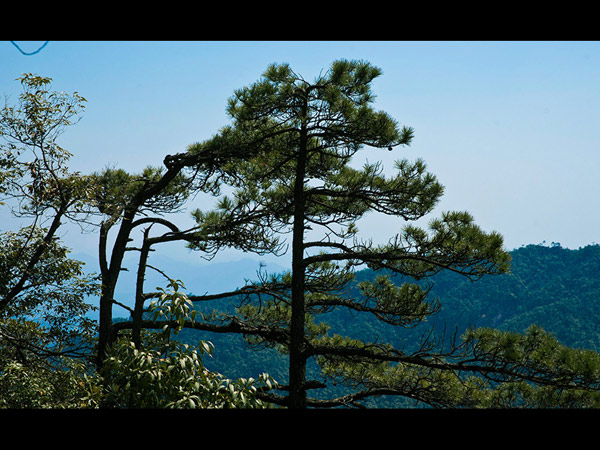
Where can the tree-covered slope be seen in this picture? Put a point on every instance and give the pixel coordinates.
(554, 287)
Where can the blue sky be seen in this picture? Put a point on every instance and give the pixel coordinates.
(511, 129)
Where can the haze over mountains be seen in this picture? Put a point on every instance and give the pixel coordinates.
(199, 276)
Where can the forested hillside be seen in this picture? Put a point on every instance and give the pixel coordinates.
(554, 287)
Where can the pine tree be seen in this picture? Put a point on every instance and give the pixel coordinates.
(294, 142)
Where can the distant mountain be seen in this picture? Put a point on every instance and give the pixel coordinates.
(554, 287)
(198, 276)
(551, 286)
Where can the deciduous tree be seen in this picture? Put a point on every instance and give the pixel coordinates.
(43, 312)
(37, 278)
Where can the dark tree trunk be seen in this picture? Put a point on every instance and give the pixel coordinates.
(297, 369)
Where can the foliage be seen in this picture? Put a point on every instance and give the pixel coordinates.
(55, 289)
(33, 166)
(37, 183)
(45, 334)
(167, 374)
(36, 372)
(26, 387)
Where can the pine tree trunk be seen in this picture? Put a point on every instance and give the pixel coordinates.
(297, 367)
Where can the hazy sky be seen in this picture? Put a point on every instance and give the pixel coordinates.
(511, 129)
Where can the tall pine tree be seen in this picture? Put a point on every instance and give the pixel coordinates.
(295, 141)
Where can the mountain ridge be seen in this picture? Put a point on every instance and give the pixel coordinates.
(553, 287)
